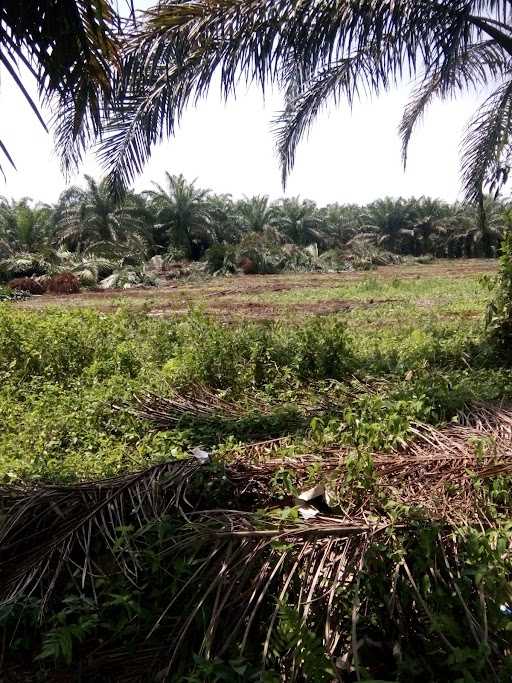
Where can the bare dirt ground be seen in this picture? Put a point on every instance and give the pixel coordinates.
(224, 296)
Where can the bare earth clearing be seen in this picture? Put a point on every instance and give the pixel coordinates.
(273, 296)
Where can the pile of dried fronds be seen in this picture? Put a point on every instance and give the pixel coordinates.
(64, 283)
(202, 407)
(27, 284)
(198, 405)
(439, 473)
(349, 577)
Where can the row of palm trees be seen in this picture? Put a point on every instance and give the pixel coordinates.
(179, 220)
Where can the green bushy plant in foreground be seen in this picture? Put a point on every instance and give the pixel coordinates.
(499, 310)
(253, 355)
(61, 373)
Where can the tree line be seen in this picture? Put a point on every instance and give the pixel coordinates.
(179, 220)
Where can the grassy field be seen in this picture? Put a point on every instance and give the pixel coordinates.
(369, 384)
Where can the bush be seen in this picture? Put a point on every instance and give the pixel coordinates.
(126, 278)
(64, 283)
(61, 345)
(499, 310)
(211, 353)
(27, 284)
(221, 258)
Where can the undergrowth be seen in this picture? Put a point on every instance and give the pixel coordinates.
(61, 373)
(67, 382)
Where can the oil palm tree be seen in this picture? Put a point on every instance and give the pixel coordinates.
(70, 48)
(391, 220)
(317, 50)
(183, 216)
(256, 213)
(90, 220)
(224, 219)
(24, 227)
(341, 223)
(298, 220)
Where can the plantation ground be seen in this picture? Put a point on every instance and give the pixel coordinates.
(66, 360)
(272, 297)
(380, 396)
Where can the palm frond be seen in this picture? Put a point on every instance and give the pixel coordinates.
(486, 148)
(71, 49)
(311, 49)
(348, 77)
(471, 69)
(254, 573)
(67, 519)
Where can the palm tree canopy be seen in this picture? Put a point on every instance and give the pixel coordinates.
(70, 48)
(315, 50)
(298, 220)
(24, 226)
(90, 221)
(255, 213)
(183, 213)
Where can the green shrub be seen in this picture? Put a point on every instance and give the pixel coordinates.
(499, 310)
(233, 357)
(60, 345)
(221, 258)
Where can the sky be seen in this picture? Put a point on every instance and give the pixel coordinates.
(349, 156)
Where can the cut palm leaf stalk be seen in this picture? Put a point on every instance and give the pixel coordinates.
(204, 408)
(47, 526)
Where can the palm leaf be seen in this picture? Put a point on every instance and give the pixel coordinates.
(486, 146)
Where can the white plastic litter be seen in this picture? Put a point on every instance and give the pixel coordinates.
(201, 456)
(308, 512)
(311, 494)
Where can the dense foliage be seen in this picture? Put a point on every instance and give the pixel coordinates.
(87, 234)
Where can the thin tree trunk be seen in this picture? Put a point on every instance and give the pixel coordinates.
(484, 231)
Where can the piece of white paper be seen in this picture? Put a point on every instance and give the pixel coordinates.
(313, 493)
(200, 455)
(308, 512)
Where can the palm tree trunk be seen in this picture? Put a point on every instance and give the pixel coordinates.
(487, 251)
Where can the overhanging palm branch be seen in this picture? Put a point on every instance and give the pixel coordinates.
(313, 50)
(473, 68)
(349, 77)
(487, 145)
(70, 49)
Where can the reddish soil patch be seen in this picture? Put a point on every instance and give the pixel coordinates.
(262, 311)
(179, 296)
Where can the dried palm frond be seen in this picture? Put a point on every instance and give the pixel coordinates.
(200, 404)
(203, 407)
(261, 575)
(252, 573)
(44, 527)
(435, 472)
